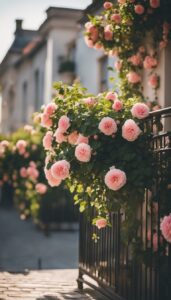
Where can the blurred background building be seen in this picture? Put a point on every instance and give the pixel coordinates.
(57, 51)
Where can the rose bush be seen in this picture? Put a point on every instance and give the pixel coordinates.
(104, 156)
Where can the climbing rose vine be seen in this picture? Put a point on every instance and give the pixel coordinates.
(99, 150)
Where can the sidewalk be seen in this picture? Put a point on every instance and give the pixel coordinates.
(43, 285)
(23, 249)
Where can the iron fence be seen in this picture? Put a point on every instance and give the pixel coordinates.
(117, 273)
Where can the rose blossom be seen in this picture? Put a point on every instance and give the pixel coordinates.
(140, 110)
(115, 179)
(118, 65)
(107, 5)
(73, 137)
(116, 18)
(111, 96)
(117, 105)
(83, 152)
(89, 101)
(5, 178)
(45, 120)
(41, 188)
(154, 3)
(5, 144)
(149, 62)
(26, 154)
(133, 77)
(59, 136)
(63, 123)
(108, 34)
(153, 81)
(32, 164)
(82, 139)
(28, 128)
(47, 140)
(130, 130)
(23, 172)
(60, 169)
(108, 126)
(139, 9)
(101, 223)
(165, 227)
(121, 1)
(32, 172)
(50, 109)
(51, 180)
(21, 146)
(136, 59)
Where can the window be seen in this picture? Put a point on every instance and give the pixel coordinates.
(37, 90)
(24, 101)
(103, 64)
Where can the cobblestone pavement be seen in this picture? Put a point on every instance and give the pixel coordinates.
(43, 285)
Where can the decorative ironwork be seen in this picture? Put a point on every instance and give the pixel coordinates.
(117, 272)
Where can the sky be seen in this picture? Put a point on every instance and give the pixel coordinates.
(33, 14)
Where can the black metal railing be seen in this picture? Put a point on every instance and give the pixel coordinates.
(117, 273)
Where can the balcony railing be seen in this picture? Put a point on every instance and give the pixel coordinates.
(115, 271)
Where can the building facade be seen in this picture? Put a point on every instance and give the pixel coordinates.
(33, 63)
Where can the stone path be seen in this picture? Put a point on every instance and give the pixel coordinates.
(43, 285)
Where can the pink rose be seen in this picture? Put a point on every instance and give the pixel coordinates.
(32, 172)
(133, 77)
(116, 18)
(165, 227)
(89, 101)
(154, 3)
(21, 146)
(130, 130)
(5, 144)
(82, 139)
(140, 111)
(153, 81)
(32, 164)
(118, 65)
(23, 172)
(73, 137)
(139, 9)
(41, 188)
(60, 169)
(26, 154)
(101, 223)
(45, 120)
(108, 33)
(149, 62)
(136, 59)
(108, 126)
(115, 179)
(98, 46)
(28, 128)
(111, 96)
(83, 152)
(121, 1)
(117, 105)
(47, 140)
(63, 123)
(50, 109)
(107, 5)
(59, 136)
(51, 180)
